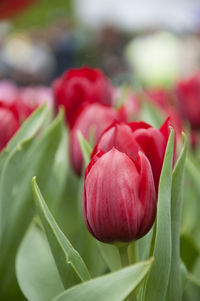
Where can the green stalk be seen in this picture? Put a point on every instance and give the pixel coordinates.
(133, 252)
(125, 261)
(123, 252)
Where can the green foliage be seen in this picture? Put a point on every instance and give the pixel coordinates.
(70, 265)
(36, 271)
(112, 287)
(156, 286)
(24, 157)
(175, 289)
(28, 130)
(85, 148)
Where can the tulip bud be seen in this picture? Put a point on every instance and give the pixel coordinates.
(79, 86)
(9, 124)
(129, 138)
(95, 118)
(119, 201)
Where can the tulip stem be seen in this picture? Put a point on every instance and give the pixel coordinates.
(133, 252)
(125, 261)
(123, 252)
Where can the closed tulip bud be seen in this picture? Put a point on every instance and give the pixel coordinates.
(131, 137)
(119, 202)
(93, 118)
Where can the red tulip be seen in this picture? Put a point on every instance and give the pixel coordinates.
(9, 124)
(94, 117)
(119, 202)
(188, 100)
(129, 138)
(79, 86)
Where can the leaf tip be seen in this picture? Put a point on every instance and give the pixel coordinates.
(151, 260)
(33, 181)
(184, 138)
(171, 130)
(61, 112)
(80, 136)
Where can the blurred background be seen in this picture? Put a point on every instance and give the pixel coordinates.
(153, 42)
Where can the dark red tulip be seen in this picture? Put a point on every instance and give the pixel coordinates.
(79, 86)
(94, 118)
(129, 138)
(9, 124)
(188, 100)
(119, 201)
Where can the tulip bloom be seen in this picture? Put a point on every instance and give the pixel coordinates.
(94, 117)
(119, 201)
(130, 138)
(79, 86)
(9, 124)
(188, 100)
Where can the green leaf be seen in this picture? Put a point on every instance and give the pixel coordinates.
(58, 178)
(70, 265)
(157, 281)
(85, 148)
(175, 285)
(27, 130)
(31, 157)
(112, 287)
(144, 244)
(36, 271)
